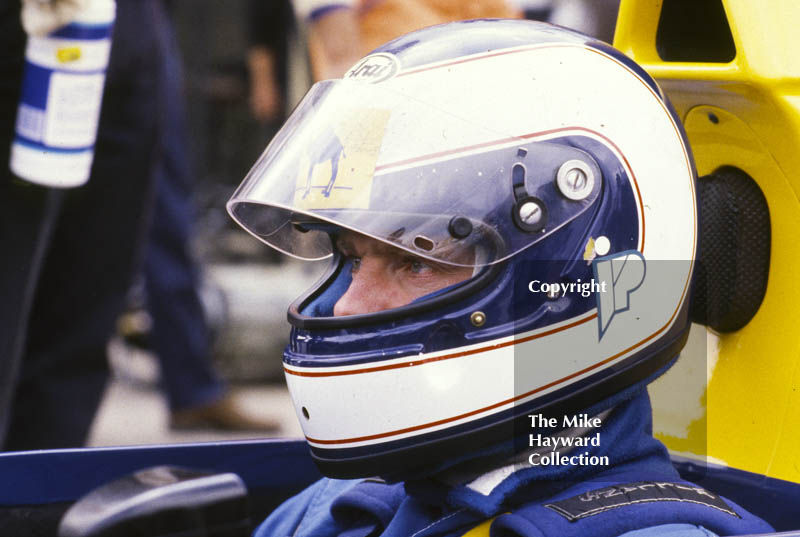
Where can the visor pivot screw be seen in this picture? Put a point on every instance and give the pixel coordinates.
(478, 318)
(553, 293)
(530, 213)
(575, 180)
(459, 227)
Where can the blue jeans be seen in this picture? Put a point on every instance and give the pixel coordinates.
(180, 334)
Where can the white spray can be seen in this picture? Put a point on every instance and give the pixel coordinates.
(62, 90)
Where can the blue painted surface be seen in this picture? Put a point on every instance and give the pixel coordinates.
(275, 468)
(268, 467)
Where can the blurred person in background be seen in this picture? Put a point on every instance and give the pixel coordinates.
(269, 27)
(592, 17)
(181, 340)
(90, 254)
(342, 31)
(27, 216)
(536, 10)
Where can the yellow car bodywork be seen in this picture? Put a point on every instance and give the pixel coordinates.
(745, 411)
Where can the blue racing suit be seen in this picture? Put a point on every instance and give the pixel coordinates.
(639, 494)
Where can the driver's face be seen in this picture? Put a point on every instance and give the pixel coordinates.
(385, 277)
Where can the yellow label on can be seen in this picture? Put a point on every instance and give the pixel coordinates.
(68, 54)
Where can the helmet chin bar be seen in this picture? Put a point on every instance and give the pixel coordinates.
(394, 457)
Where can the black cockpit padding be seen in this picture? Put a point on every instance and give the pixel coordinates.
(733, 252)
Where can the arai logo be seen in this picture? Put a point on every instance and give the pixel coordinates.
(374, 68)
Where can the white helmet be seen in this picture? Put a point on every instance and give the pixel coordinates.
(551, 158)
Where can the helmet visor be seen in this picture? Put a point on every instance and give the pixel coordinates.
(373, 160)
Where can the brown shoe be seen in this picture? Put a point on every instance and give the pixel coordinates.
(226, 414)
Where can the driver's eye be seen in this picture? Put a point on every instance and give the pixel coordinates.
(355, 263)
(418, 266)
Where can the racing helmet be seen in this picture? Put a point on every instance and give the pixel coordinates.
(546, 161)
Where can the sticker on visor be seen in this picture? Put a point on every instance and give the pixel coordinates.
(336, 172)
